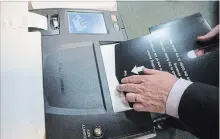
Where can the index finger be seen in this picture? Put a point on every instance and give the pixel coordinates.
(210, 35)
(135, 79)
(132, 88)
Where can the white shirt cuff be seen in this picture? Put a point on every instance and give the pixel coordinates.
(175, 95)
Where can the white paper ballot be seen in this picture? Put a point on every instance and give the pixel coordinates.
(118, 99)
(37, 21)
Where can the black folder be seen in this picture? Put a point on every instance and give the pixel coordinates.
(170, 47)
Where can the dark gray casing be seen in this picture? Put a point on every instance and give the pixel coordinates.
(76, 91)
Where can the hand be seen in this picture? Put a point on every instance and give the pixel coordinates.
(212, 34)
(149, 92)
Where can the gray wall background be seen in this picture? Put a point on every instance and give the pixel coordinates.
(139, 15)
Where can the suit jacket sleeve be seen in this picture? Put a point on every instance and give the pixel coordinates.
(199, 110)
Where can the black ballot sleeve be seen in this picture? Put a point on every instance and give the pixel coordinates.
(167, 49)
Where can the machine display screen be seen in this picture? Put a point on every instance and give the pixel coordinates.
(86, 23)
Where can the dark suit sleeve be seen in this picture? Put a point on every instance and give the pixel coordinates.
(199, 110)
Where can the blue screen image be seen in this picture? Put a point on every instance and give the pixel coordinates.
(86, 23)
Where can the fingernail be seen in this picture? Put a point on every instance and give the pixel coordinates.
(123, 80)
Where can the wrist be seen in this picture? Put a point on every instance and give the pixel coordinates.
(175, 95)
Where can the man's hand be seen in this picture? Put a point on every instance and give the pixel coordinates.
(213, 33)
(149, 91)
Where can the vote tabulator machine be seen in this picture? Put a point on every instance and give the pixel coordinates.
(76, 93)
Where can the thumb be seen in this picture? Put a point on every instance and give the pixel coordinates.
(214, 32)
(200, 52)
(150, 71)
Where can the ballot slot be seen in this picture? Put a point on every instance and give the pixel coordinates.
(54, 22)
